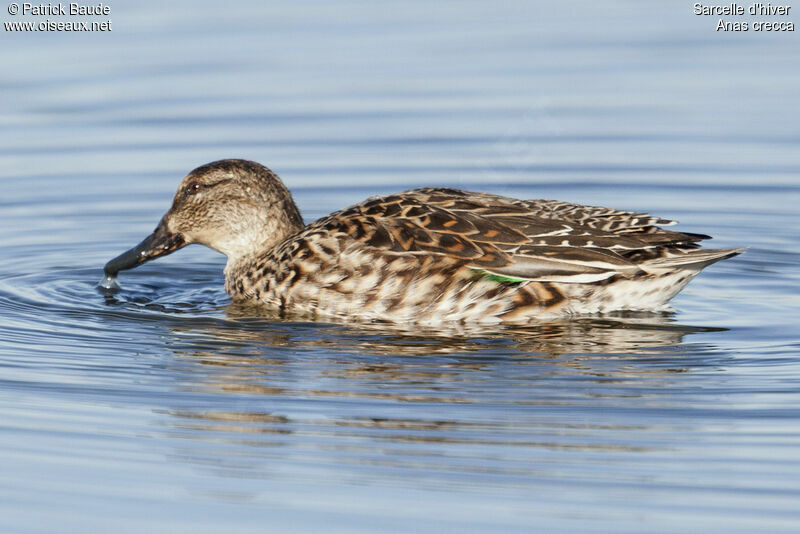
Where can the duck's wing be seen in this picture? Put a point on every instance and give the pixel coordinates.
(511, 239)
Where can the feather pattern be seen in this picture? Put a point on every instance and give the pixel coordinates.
(527, 239)
(436, 254)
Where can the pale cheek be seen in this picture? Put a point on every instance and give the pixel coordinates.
(173, 225)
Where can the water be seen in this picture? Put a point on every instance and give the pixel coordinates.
(165, 408)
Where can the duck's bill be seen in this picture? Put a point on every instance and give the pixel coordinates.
(160, 243)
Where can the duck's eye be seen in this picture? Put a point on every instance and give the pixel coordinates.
(193, 188)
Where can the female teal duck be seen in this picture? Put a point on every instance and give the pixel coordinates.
(428, 255)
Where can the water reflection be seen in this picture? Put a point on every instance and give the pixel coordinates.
(364, 394)
(618, 333)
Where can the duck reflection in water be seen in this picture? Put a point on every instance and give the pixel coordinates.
(347, 395)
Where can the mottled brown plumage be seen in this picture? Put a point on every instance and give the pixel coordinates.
(427, 255)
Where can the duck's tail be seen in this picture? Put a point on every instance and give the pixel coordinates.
(692, 259)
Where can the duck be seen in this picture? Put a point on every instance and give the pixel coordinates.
(424, 256)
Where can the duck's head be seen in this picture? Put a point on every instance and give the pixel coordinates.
(234, 206)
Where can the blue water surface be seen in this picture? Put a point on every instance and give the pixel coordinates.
(166, 408)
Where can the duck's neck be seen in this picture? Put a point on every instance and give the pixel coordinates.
(244, 261)
(249, 244)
